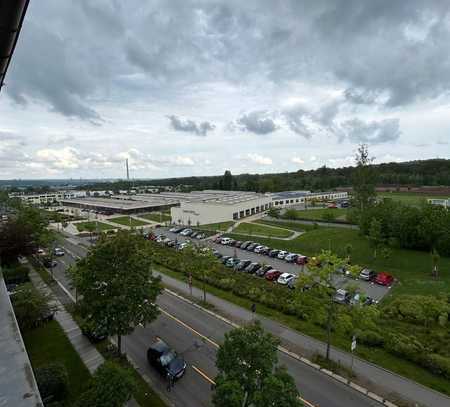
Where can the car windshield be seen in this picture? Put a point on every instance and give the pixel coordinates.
(167, 358)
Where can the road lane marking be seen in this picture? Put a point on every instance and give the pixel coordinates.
(204, 375)
(188, 327)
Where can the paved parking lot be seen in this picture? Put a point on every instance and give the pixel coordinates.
(375, 291)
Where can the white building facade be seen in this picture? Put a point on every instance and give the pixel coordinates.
(288, 199)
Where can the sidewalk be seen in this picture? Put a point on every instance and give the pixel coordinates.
(383, 381)
(87, 351)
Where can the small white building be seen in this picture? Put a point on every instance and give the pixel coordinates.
(211, 206)
(441, 202)
(48, 197)
(292, 198)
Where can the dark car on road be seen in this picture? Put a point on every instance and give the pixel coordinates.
(238, 244)
(166, 360)
(251, 246)
(245, 244)
(274, 253)
(224, 259)
(49, 263)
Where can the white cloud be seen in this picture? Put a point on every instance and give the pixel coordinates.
(297, 160)
(64, 158)
(259, 159)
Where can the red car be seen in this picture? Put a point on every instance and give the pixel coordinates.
(301, 260)
(384, 279)
(272, 275)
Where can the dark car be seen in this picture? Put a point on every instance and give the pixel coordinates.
(166, 360)
(242, 265)
(49, 263)
(251, 246)
(263, 270)
(252, 267)
(238, 244)
(274, 253)
(245, 244)
(217, 254)
(232, 262)
(194, 233)
(224, 259)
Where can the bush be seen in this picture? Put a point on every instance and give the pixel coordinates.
(438, 364)
(52, 381)
(405, 346)
(371, 338)
(16, 274)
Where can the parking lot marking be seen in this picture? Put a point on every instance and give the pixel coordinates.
(189, 327)
(204, 375)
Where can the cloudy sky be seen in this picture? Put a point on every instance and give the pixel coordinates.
(195, 87)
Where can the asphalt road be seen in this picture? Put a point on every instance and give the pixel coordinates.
(196, 334)
(375, 291)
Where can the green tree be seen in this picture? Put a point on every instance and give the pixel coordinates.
(111, 386)
(348, 252)
(227, 181)
(117, 285)
(363, 180)
(376, 238)
(247, 375)
(290, 214)
(272, 212)
(31, 306)
(329, 216)
(321, 276)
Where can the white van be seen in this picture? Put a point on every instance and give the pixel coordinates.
(225, 240)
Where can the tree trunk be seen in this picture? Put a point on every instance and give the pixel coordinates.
(119, 344)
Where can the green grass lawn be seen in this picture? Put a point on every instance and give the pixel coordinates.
(222, 226)
(47, 344)
(127, 221)
(317, 214)
(84, 226)
(157, 217)
(375, 355)
(260, 229)
(409, 198)
(411, 267)
(297, 226)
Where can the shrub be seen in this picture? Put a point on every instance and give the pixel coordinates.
(438, 364)
(370, 338)
(405, 346)
(52, 381)
(16, 274)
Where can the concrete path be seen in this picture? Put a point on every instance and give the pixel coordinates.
(378, 379)
(88, 353)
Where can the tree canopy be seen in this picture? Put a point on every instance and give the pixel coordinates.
(247, 374)
(117, 285)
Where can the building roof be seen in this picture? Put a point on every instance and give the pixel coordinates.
(18, 386)
(216, 197)
(110, 203)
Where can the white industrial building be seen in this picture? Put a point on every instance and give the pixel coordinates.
(211, 206)
(292, 198)
(48, 197)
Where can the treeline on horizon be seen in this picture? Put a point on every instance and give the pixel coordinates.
(435, 172)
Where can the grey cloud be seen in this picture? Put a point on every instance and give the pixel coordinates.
(374, 132)
(190, 126)
(258, 122)
(360, 96)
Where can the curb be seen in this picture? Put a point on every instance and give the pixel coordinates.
(294, 355)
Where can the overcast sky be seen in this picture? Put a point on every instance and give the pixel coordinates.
(186, 87)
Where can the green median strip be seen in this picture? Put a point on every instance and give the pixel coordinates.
(128, 221)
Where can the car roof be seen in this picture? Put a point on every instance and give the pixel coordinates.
(160, 346)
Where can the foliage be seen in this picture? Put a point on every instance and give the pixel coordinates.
(117, 285)
(111, 386)
(363, 181)
(424, 228)
(53, 381)
(274, 213)
(16, 274)
(31, 306)
(21, 234)
(247, 375)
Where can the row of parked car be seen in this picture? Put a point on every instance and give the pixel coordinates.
(261, 270)
(262, 249)
(188, 232)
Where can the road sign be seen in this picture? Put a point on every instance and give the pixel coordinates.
(353, 343)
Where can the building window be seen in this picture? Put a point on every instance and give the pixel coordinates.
(253, 211)
(247, 212)
(235, 215)
(241, 214)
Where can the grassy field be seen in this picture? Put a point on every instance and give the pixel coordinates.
(47, 344)
(297, 226)
(375, 355)
(222, 226)
(411, 267)
(127, 221)
(260, 229)
(84, 226)
(409, 198)
(317, 214)
(157, 217)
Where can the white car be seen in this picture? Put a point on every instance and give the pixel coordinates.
(282, 254)
(186, 232)
(285, 278)
(58, 251)
(225, 240)
(173, 230)
(258, 249)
